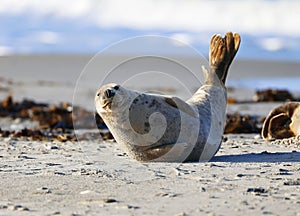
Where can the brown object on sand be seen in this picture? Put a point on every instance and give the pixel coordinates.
(7, 103)
(231, 100)
(268, 95)
(39, 135)
(53, 117)
(237, 123)
(48, 116)
(282, 122)
(55, 121)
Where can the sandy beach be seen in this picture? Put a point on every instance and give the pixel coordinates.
(248, 176)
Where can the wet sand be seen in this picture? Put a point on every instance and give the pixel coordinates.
(248, 176)
(53, 78)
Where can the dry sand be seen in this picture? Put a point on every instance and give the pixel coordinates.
(248, 176)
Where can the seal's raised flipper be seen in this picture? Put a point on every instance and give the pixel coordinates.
(205, 72)
(221, 53)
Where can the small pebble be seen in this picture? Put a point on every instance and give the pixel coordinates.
(292, 182)
(128, 207)
(132, 207)
(284, 172)
(3, 206)
(167, 195)
(43, 190)
(257, 191)
(59, 173)
(244, 203)
(267, 213)
(109, 200)
(18, 208)
(85, 192)
(181, 214)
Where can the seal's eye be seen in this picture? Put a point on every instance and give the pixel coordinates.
(98, 94)
(116, 87)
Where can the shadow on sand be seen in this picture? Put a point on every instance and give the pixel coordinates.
(259, 157)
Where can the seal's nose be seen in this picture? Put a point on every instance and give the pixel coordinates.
(109, 93)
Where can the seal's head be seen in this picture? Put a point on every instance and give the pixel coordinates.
(110, 96)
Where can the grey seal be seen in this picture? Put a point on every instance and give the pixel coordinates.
(153, 127)
(282, 122)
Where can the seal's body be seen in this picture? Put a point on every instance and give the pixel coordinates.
(163, 128)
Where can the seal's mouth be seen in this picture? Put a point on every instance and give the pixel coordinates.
(107, 97)
(106, 103)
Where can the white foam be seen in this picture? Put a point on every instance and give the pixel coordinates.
(47, 37)
(5, 50)
(272, 44)
(255, 17)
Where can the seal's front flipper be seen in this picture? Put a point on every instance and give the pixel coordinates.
(169, 152)
(221, 54)
(182, 106)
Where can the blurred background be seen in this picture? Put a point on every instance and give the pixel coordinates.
(269, 27)
(48, 43)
